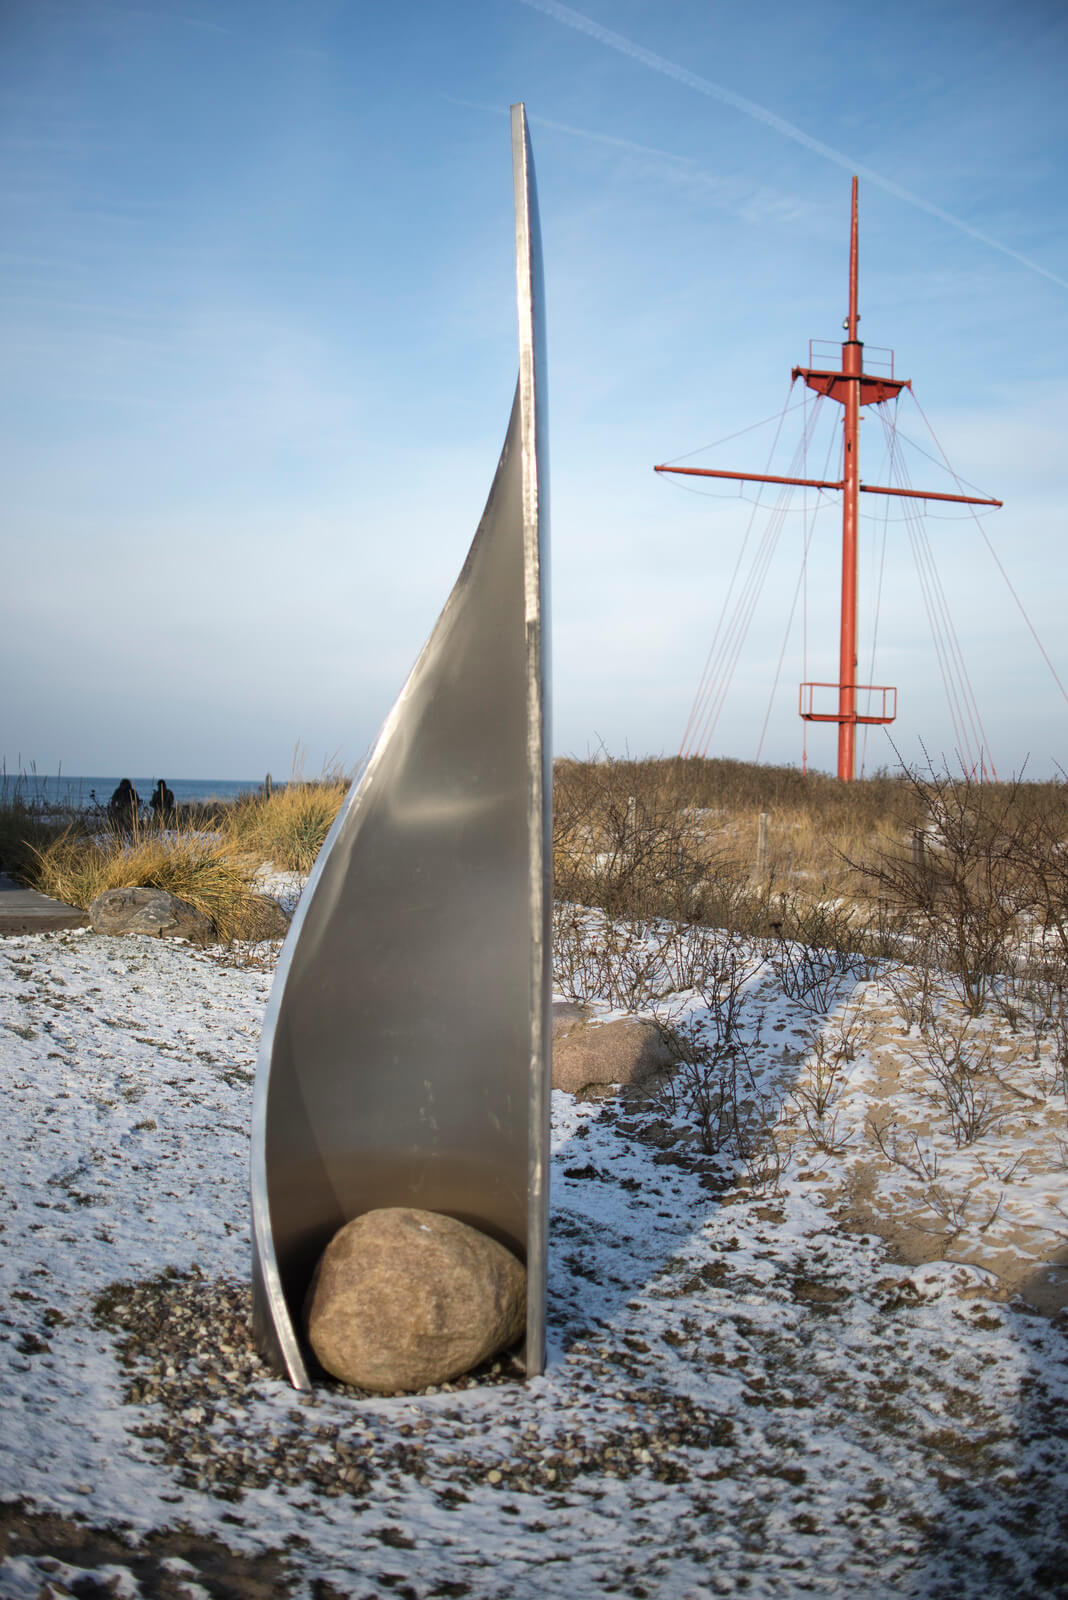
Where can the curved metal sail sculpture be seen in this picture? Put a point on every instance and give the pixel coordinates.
(404, 1058)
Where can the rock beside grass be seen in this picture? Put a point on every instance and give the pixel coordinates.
(404, 1299)
(151, 911)
(595, 1054)
(265, 920)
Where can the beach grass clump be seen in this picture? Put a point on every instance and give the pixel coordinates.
(288, 826)
(205, 869)
(24, 830)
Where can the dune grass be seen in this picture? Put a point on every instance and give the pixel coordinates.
(830, 863)
(209, 859)
(204, 869)
(288, 826)
(24, 831)
(755, 850)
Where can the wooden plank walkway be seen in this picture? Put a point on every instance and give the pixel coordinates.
(25, 911)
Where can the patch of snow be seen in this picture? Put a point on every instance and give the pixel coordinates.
(742, 1397)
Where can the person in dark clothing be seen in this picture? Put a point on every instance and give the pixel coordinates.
(124, 807)
(162, 801)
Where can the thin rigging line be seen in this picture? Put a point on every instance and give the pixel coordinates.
(715, 693)
(785, 641)
(997, 562)
(941, 602)
(727, 437)
(726, 602)
(888, 422)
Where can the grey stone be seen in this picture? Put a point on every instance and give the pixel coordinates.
(151, 911)
(628, 1051)
(403, 1299)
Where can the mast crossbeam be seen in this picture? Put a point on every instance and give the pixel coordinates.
(826, 483)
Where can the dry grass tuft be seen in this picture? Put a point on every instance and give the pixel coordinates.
(207, 857)
(287, 827)
(24, 831)
(204, 869)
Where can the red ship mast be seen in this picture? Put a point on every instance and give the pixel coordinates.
(852, 388)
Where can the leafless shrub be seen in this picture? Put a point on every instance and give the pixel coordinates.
(815, 1095)
(704, 1092)
(723, 984)
(851, 1032)
(620, 841)
(715, 1091)
(912, 988)
(902, 1147)
(967, 894)
(813, 951)
(642, 966)
(958, 1069)
(955, 1211)
(977, 917)
(767, 1161)
(1049, 1023)
(597, 957)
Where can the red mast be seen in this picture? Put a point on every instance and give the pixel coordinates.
(852, 388)
(852, 362)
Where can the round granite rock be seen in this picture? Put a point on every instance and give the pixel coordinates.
(403, 1299)
(152, 911)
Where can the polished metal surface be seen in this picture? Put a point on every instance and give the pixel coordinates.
(404, 1058)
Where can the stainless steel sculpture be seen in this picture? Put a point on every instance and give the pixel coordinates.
(404, 1058)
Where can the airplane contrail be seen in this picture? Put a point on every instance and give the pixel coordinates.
(759, 113)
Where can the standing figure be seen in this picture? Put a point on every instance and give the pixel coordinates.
(124, 807)
(162, 801)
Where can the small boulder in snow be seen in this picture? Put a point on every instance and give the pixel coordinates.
(403, 1299)
(151, 911)
(628, 1051)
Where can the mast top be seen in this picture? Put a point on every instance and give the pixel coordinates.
(854, 316)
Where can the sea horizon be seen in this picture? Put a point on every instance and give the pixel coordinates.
(78, 793)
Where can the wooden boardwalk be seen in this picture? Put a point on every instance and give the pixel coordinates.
(25, 911)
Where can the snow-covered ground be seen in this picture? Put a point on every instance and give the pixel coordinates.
(745, 1394)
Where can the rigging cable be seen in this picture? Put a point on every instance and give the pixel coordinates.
(785, 638)
(727, 437)
(714, 648)
(955, 671)
(808, 530)
(997, 562)
(719, 681)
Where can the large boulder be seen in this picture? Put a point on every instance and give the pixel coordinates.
(593, 1054)
(403, 1299)
(151, 911)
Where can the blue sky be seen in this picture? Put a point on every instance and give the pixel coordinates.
(257, 316)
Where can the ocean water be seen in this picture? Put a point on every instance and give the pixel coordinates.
(78, 794)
